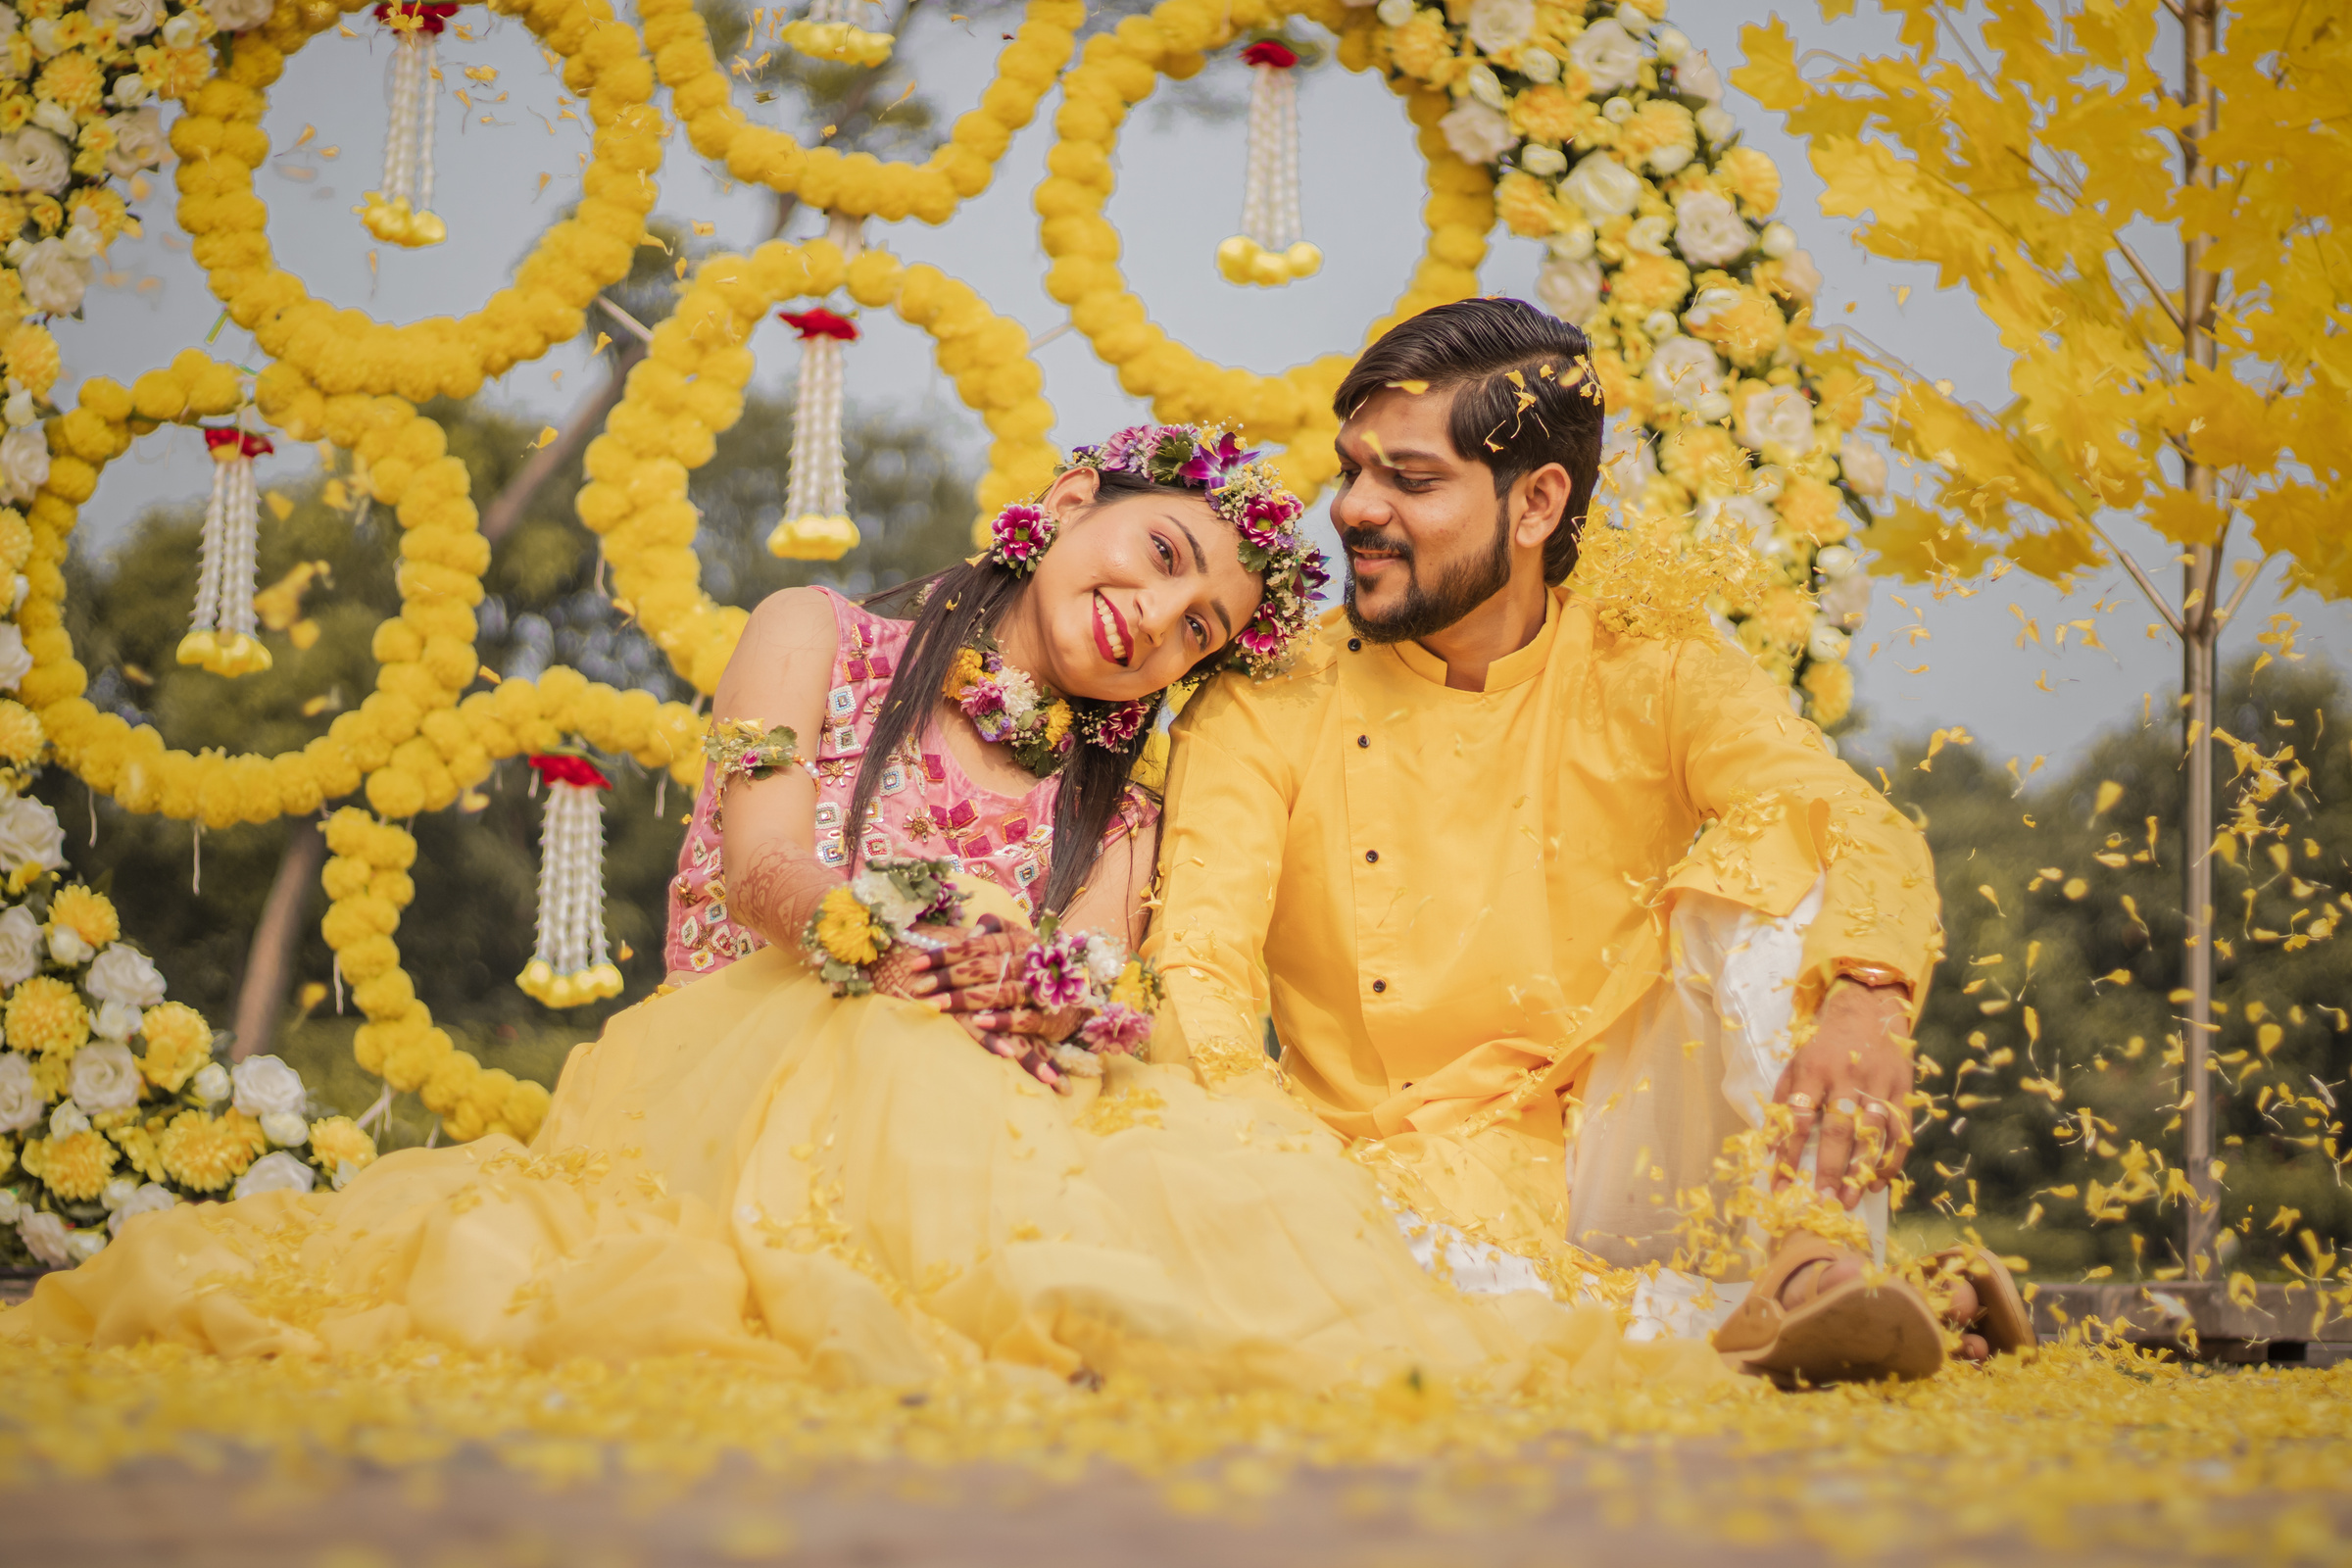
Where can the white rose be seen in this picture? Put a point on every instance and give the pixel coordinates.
(1827, 641)
(235, 16)
(1683, 370)
(16, 662)
(117, 1191)
(1607, 56)
(278, 1172)
(152, 1199)
(1569, 289)
(11, 1211)
(1671, 159)
(106, 1077)
(1745, 519)
(22, 1103)
(1485, 86)
(180, 32)
(1476, 133)
(1648, 236)
(286, 1129)
(1800, 276)
(28, 830)
(116, 1020)
(45, 1237)
(1498, 27)
(40, 160)
(67, 1120)
(1708, 230)
(1836, 562)
(1104, 958)
(83, 1246)
(8, 23)
(1777, 415)
(67, 947)
(126, 974)
(1602, 186)
(20, 946)
(1846, 599)
(1545, 163)
(55, 280)
(1715, 122)
(266, 1086)
(1694, 77)
(1394, 13)
(131, 19)
(1865, 467)
(1540, 65)
(138, 142)
(210, 1084)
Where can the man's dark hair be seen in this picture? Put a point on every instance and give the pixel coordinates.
(1475, 346)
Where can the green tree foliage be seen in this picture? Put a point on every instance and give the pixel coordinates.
(2052, 1025)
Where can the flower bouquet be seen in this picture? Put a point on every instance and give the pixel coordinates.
(114, 1102)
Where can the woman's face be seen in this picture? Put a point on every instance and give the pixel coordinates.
(1135, 592)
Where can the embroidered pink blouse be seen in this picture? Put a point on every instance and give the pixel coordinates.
(924, 807)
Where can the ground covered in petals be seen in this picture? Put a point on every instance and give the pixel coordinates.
(2084, 1456)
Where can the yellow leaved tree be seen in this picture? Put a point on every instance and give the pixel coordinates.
(2149, 201)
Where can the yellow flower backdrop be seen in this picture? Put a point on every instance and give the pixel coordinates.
(431, 729)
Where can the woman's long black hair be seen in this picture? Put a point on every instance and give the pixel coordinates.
(949, 610)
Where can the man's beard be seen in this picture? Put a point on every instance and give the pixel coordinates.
(1429, 607)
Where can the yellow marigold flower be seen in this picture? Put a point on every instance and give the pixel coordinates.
(74, 1168)
(1704, 458)
(1812, 510)
(1782, 619)
(338, 1141)
(106, 206)
(845, 929)
(89, 916)
(1528, 207)
(46, 1016)
(1545, 114)
(1658, 122)
(179, 1041)
(966, 668)
(1749, 331)
(1831, 685)
(137, 1142)
(174, 73)
(16, 109)
(1420, 47)
(207, 1153)
(1752, 178)
(1057, 722)
(1647, 282)
(20, 734)
(1132, 989)
(15, 537)
(30, 351)
(74, 80)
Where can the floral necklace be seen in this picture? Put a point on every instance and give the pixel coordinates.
(1012, 708)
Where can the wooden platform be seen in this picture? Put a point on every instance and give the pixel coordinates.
(2281, 1325)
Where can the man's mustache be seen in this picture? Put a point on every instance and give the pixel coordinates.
(1374, 541)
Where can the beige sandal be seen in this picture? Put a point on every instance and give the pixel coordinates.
(2002, 1317)
(1852, 1333)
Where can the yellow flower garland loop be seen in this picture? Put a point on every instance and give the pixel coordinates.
(220, 143)
(689, 388)
(1117, 69)
(858, 183)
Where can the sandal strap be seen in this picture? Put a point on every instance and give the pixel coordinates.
(1756, 1323)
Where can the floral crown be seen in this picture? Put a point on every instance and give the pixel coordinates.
(1243, 491)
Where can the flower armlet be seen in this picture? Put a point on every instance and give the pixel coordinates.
(874, 911)
(737, 750)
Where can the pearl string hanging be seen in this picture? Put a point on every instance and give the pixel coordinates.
(221, 635)
(816, 523)
(571, 964)
(1270, 250)
(401, 212)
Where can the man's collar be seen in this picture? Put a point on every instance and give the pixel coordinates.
(1506, 672)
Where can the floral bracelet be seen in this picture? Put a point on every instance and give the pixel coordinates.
(874, 911)
(1117, 993)
(737, 750)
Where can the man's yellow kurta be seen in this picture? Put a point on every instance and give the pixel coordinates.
(1444, 897)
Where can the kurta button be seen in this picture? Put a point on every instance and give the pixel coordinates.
(1380, 985)
(1371, 856)
(1355, 645)
(1363, 740)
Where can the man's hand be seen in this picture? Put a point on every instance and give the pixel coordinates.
(1851, 1080)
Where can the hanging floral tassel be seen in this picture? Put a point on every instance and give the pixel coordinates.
(221, 632)
(1269, 250)
(816, 523)
(401, 213)
(569, 967)
(827, 34)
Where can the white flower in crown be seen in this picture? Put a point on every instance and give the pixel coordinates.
(1476, 133)
(1777, 415)
(1497, 26)
(1708, 230)
(1607, 56)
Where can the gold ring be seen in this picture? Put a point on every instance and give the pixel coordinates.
(1842, 1106)
(1800, 1102)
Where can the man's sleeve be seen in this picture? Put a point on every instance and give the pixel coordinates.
(1784, 813)
(1228, 812)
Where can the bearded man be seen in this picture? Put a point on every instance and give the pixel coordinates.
(1541, 908)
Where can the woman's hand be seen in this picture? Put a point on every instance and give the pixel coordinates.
(975, 979)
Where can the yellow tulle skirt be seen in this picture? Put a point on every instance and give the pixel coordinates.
(856, 1193)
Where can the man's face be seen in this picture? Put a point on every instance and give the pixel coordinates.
(1424, 531)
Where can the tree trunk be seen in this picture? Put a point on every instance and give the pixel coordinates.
(2202, 629)
(270, 963)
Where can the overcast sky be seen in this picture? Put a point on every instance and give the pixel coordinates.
(1179, 195)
